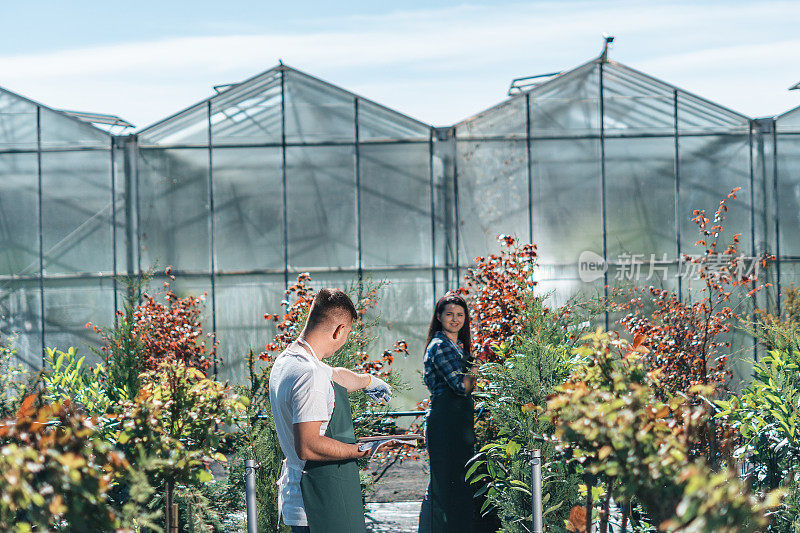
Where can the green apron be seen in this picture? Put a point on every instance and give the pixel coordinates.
(450, 435)
(332, 490)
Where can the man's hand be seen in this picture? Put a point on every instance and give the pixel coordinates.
(371, 448)
(378, 390)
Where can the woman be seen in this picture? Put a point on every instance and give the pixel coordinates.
(450, 433)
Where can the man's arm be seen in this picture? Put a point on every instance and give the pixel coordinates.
(350, 380)
(311, 446)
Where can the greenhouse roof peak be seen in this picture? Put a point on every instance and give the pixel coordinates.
(621, 85)
(260, 94)
(61, 113)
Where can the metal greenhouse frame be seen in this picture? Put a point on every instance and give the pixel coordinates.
(285, 173)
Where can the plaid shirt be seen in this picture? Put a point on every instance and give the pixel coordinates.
(445, 366)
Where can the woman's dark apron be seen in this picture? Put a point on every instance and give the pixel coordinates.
(450, 437)
(332, 490)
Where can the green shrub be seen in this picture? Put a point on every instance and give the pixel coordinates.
(513, 394)
(608, 416)
(55, 474)
(13, 378)
(65, 378)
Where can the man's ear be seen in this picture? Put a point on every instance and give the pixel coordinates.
(338, 331)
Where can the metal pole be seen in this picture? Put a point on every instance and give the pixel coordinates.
(250, 494)
(433, 211)
(677, 171)
(603, 190)
(775, 189)
(357, 164)
(212, 260)
(530, 164)
(114, 221)
(40, 225)
(283, 182)
(536, 490)
(455, 204)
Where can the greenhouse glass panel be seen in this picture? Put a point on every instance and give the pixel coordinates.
(789, 193)
(405, 308)
(640, 198)
(173, 203)
(17, 122)
(636, 103)
(395, 204)
(317, 111)
(569, 105)
(125, 212)
(567, 209)
(63, 131)
(19, 222)
(69, 306)
(764, 195)
(377, 123)
(789, 122)
(20, 319)
(710, 167)
(558, 290)
(696, 115)
(444, 201)
(248, 209)
(790, 276)
(187, 127)
(492, 195)
(77, 212)
(249, 112)
(321, 207)
(242, 302)
(503, 120)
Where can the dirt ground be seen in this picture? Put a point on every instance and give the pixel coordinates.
(402, 482)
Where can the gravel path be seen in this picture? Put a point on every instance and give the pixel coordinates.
(394, 517)
(395, 502)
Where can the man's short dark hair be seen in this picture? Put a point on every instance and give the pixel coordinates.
(327, 303)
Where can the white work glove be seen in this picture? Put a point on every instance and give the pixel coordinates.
(378, 390)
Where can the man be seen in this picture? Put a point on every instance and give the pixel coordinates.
(319, 489)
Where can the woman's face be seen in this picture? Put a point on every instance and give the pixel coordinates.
(452, 318)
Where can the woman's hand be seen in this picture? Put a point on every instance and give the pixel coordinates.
(470, 377)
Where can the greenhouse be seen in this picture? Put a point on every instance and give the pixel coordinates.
(284, 173)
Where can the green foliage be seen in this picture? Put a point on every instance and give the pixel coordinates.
(766, 416)
(513, 392)
(13, 378)
(65, 378)
(177, 419)
(609, 417)
(258, 440)
(56, 474)
(123, 351)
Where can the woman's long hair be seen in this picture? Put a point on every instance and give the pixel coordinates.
(436, 324)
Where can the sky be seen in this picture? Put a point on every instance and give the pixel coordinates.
(438, 61)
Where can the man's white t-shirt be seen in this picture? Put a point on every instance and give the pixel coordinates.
(300, 390)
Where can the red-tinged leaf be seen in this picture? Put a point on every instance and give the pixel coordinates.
(27, 409)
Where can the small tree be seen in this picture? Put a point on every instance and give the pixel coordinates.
(175, 424)
(685, 338)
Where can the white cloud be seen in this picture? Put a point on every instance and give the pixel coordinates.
(439, 65)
